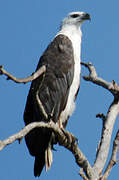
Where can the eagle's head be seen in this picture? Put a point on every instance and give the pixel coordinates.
(75, 18)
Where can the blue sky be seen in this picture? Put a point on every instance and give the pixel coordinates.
(26, 28)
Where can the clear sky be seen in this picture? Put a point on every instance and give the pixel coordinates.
(26, 28)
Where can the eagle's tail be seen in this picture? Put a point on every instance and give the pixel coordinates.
(38, 165)
(44, 159)
(48, 157)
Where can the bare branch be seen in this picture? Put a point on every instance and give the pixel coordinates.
(108, 120)
(113, 159)
(68, 140)
(24, 80)
(93, 77)
(65, 139)
(106, 137)
(100, 115)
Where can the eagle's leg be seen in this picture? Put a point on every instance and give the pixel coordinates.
(60, 124)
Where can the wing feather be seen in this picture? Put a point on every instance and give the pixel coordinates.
(53, 86)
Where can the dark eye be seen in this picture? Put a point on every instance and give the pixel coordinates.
(74, 15)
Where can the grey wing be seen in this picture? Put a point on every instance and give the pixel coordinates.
(52, 88)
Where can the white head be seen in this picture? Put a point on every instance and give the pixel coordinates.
(75, 19)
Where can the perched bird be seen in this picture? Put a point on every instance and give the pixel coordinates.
(52, 95)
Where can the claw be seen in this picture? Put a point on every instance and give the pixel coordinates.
(71, 140)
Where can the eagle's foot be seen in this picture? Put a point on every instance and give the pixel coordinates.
(69, 139)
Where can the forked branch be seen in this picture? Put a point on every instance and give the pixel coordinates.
(68, 140)
(65, 139)
(93, 77)
(108, 123)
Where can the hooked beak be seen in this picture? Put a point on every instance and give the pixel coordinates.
(86, 16)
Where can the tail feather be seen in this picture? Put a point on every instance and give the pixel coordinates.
(48, 158)
(44, 159)
(38, 165)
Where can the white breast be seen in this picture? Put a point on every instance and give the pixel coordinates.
(75, 37)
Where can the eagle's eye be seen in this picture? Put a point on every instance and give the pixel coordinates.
(75, 15)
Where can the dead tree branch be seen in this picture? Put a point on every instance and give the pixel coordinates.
(68, 140)
(106, 137)
(113, 159)
(108, 120)
(65, 139)
(23, 80)
(93, 77)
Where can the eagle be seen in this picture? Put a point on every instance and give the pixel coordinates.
(52, 95)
